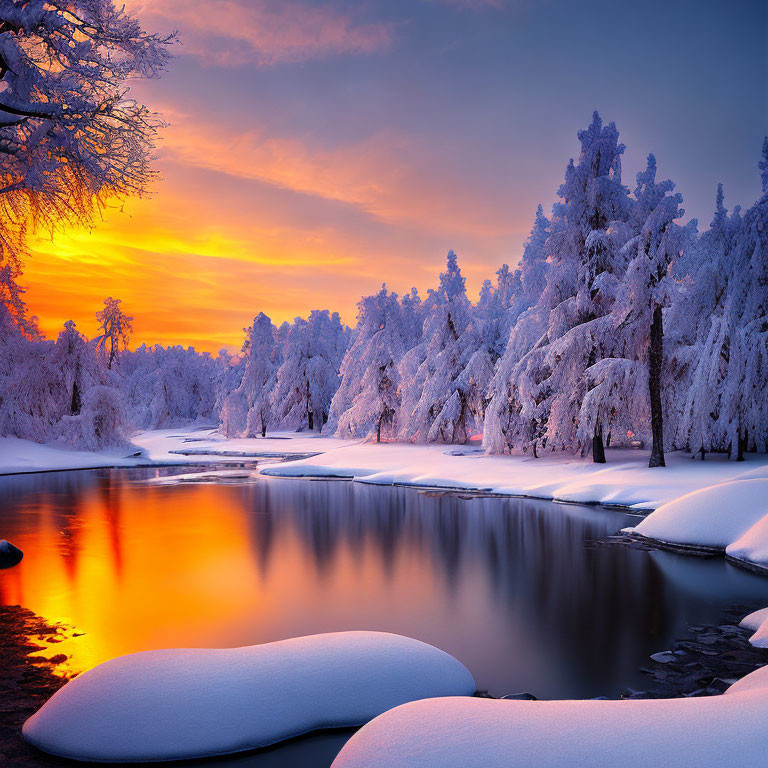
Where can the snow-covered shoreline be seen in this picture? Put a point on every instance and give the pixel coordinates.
(164, 447)
(624, 481)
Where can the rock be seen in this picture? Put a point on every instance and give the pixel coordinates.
(664, 657)
(9, 555)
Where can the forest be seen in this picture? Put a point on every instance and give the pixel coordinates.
(620, 326)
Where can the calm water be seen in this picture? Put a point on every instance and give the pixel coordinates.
(510, 587)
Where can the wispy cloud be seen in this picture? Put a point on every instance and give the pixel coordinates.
(472, 4)
(262, 32)
(390, 176)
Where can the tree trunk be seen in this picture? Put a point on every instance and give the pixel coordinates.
(655, 358)
(378, 430)
(74, 407)
(310, 418)
(598, 451)
(742, 445)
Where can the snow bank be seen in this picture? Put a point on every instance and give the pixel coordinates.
(752, 547)
(760, 638)
(754, 620)
(188, 445)
(705, 732)
(187, 703)
(18, 456)
(625, 480)
(185, 445)
(713, 517)
(758, 623)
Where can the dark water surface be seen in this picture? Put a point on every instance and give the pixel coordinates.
(512, 588)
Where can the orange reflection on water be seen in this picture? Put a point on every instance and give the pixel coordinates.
(137, 566)
(176, 567)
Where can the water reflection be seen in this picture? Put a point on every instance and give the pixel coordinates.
(508, 586)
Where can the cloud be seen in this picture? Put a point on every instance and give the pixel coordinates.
(232, 33)
(394, 178)
(472, 4)
(197, 261)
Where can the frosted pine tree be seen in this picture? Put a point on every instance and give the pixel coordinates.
(726, 352)
(309, 375)
(539, 386)
(79, 366)
(625, 389)
(247, 411)
(432, 407)
(168, 386)
(367, 401)
(702, 327)
(525, 322)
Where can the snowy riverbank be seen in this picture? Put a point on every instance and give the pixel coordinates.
(625, 480)
(185, 445)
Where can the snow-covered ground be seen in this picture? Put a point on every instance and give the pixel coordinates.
(189, 703)
(625, 480)
(462, 732)
(185, 445)
(730, 517)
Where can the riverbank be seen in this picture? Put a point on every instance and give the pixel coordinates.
(27, 680)
(162, 447)
(624, 481)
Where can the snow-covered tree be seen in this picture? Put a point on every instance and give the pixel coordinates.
(101, 422)
(413, 318)
(79, 366)
(434, 406)
(719, 342)
(115, 328)
(168, 386)
(29, 387)
(247, 411)
(540, 384)
(367, 401)
(70, 137)
(531, 277)
(625, 389)
(309, 374)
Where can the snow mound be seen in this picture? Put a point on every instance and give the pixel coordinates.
(188, 703)
(754, 620)
(712, 517)
(754, 681)
(752, 547)
(760, 638)
(704, 732)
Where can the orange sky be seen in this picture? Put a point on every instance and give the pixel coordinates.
(255, 224)
(317, 148)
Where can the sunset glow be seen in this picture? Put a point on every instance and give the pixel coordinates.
(315, 151)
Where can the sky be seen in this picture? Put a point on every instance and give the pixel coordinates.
(315, 150)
